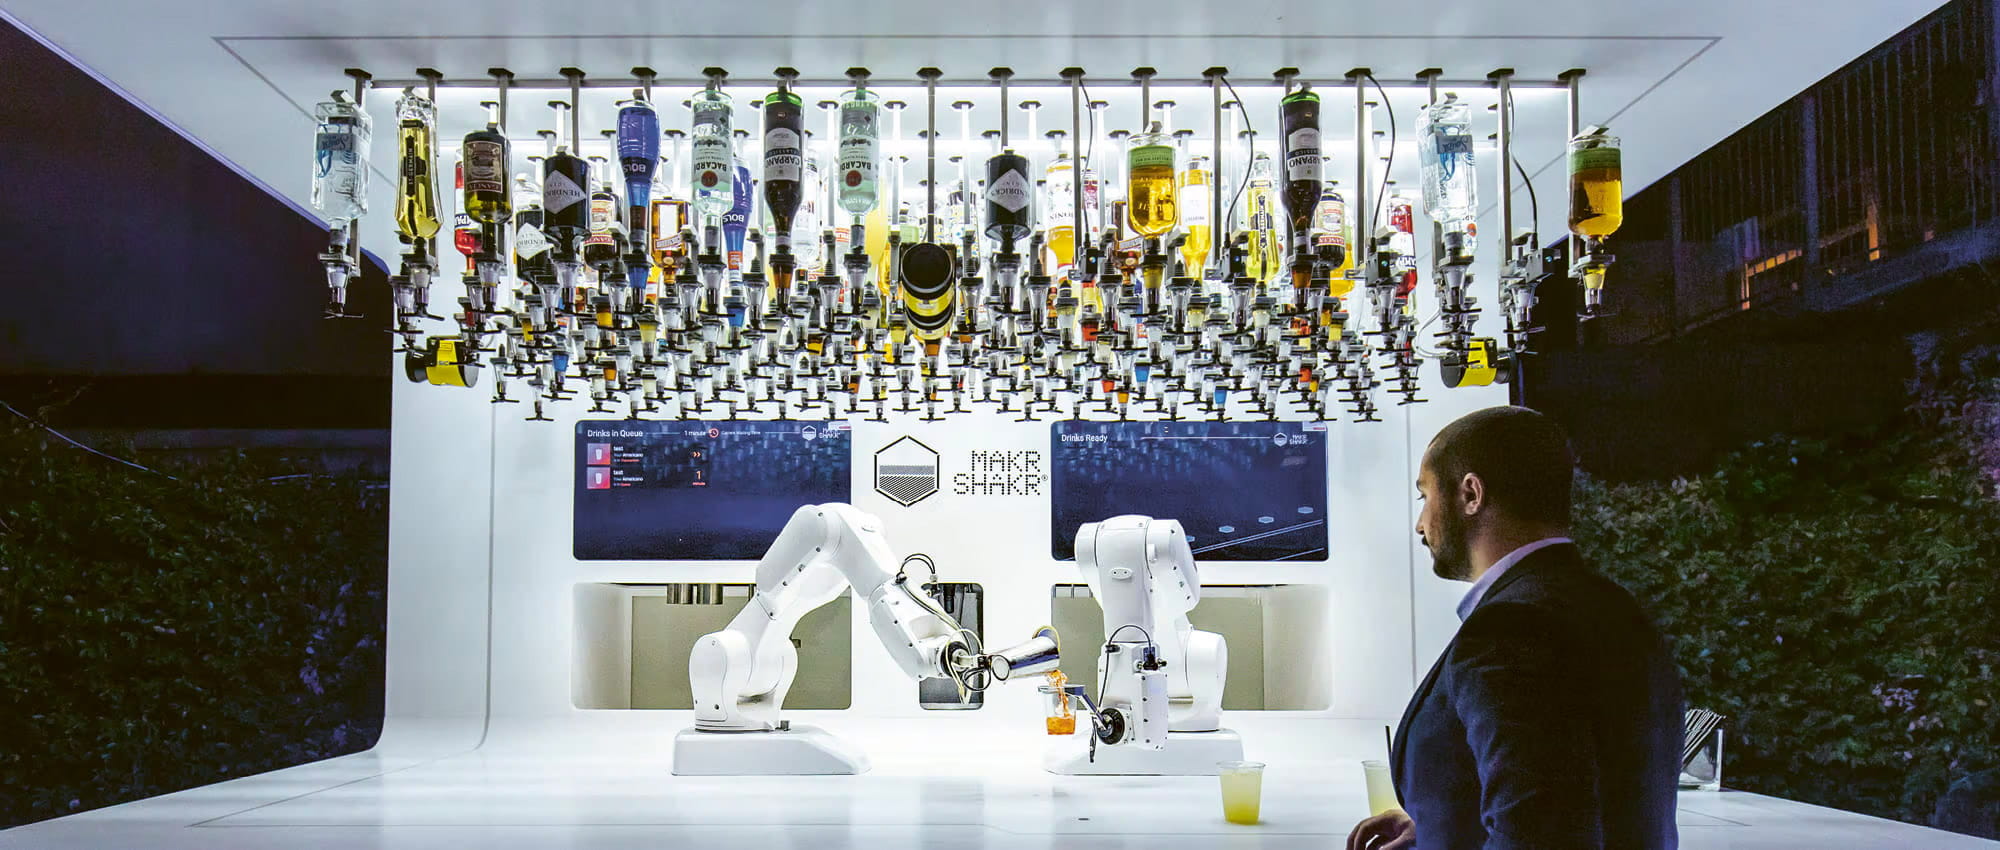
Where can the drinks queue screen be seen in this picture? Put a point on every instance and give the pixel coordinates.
(1243, 491)
(700, 490)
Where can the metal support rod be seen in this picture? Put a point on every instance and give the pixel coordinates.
(930, 78)
(1363, 214)
(646, 76)
(503, 80)
(1569, 79)
(1218, 228)
(361, 86)
(1075, 78)
(1145, 78)
(430, 76)
(575, 77)
(1503, 79)
(1003, 75)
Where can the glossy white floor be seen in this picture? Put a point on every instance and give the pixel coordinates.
(585, 791)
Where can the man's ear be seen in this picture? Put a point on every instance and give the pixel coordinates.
(1471, 494)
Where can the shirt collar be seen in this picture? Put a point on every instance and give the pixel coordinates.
(1499, 567)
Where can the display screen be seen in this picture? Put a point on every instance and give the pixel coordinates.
(1243, 491)
(700, 491)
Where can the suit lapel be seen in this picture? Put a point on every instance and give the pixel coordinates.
(1399, 745)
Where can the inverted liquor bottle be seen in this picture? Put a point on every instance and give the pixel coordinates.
(1267, 253)
(1300, 117)
(1195, 201)
(601, 246)
(1060, 222)
(565, 203)
(860, 154)
(1330, 229)
(340, 160)
(1403, 240)
(1150, 184)
(736, 222)
(532, 262)
(1596, 185)
(784, 163)
(416, 186)
(484, 157)
(638, 151)
(712, 169)
(464, 231)
(1444, 149)
(1009, 199)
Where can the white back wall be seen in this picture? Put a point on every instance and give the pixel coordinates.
(483, 579)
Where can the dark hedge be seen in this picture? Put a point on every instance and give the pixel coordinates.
(158, 634)
(1835, 598)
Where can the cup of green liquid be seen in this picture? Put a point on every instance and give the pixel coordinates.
(1242, 790)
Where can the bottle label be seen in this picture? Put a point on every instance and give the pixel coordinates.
(781, 154)
(483, 170)
(1193, 203)
(1594, 159)
(1152, 156)
(1302, 155)
(603, 211)
(560, 193)
(1009, 192)
(711, 163)
(530, 242)
(1062, 199)
(857, 144)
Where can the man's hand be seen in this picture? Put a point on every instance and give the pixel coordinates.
(1390, 830)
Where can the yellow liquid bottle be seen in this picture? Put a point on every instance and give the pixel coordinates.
(1149, 184)
(416, 187)
(1596, 186)
(1197, 182)
(1267, 250)
(1060, 222)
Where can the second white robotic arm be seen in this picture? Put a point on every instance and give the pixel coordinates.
(1160, 673)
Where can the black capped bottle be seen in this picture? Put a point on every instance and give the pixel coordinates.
(1302, 162)
(1009, 196)
(565, 202)
(784, 160)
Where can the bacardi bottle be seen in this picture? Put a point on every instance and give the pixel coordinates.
(711, 162)
(860, 151)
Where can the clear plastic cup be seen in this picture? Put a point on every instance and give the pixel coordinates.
(1242, 790)
(1381, 790)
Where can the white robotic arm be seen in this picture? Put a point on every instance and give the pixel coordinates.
(740, 675)
(1160, 674)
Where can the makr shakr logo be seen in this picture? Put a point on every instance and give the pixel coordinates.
(906, 471)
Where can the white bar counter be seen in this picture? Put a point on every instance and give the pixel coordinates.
(586, 791)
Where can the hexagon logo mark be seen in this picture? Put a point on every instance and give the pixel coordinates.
(906, 471)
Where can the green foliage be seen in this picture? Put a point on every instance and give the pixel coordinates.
(1835, 598)
(158, 634)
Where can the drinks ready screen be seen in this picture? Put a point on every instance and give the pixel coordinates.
(657, 491)
(1243, 491)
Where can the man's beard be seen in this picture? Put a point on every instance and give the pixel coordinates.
(1449, 556)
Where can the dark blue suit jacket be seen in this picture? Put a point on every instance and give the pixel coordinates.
(1552, 721)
